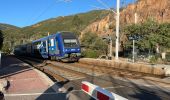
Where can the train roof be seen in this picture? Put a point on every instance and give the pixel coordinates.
(63, 33)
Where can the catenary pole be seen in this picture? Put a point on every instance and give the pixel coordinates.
(117, 30)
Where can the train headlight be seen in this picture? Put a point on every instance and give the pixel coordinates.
(72, 49)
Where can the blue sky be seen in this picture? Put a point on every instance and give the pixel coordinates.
(23, 13)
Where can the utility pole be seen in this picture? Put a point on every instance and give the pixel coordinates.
(48, 33)
(133, 53)
(109, 41)
(117, 30)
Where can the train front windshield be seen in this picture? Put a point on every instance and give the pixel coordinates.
(70, 43)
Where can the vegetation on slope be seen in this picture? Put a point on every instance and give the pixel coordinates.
(154, 39)
(7, 26)
(74, 23)
(1, 39)
(151, 34)
(93, 45)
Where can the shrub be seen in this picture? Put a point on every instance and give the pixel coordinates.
(90, 53)
(168, 56)
(153, 59)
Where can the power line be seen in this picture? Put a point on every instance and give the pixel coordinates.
(43, 12)
(96, 7)
(48, 7)
(106, 6)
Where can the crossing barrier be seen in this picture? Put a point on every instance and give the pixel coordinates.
(99, 93)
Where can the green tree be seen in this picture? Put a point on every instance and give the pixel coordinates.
(151, 33)
(88, 40)
(77, 23)
(1, 39)
(94, 45)
(7, 48)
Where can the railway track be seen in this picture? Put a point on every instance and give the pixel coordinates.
(84, 70)
(65, 72)
(74, 71)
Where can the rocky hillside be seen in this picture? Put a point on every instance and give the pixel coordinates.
(158, 10)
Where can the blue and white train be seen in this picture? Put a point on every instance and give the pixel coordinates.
(60, 46)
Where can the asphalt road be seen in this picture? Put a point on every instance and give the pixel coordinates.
(138, 90)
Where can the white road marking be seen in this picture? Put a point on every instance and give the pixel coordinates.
(21, 71)
(11, 80)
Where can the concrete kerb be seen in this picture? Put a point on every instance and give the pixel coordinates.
(125, 65)
(167, 72)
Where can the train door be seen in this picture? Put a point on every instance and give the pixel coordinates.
(57, 48)
(44, 49)
(51, 47)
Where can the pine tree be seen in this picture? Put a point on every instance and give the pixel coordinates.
(77, 23)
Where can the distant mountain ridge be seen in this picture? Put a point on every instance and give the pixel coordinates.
(7, 26)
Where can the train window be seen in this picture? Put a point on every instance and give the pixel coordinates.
(57, 44)
(37, 45)
(52, 42)
(44, 46)
(70, 42)
(44, 43)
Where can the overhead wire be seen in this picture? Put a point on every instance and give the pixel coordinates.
(106, 6)
(48, 7)
(43, 12)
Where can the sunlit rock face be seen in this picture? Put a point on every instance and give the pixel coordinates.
(158, 10)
